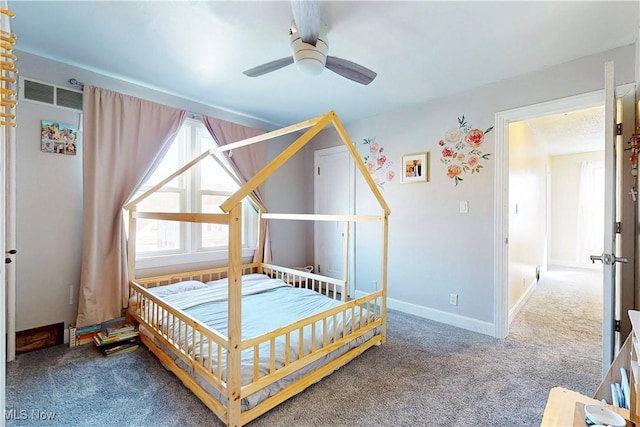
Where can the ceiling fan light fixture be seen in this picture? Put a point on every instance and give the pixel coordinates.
(309, 58)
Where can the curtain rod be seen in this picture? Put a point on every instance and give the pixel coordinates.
(76, 84)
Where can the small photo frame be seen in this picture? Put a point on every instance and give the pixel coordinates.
(415, 167)
(59, 138)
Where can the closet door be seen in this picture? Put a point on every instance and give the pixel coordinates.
(334, 194)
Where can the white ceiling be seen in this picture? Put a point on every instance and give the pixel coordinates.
(574, 132)
(420, 50)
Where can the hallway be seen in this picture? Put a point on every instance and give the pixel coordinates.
(564, 312)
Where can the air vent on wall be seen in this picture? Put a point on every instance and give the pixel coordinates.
(38, 92)
(69, 98)
(50, 94)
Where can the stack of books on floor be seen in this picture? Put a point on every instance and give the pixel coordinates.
(117, 340)
(84, 335)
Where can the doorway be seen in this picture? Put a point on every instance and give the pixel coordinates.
(556, 221)
(625, 98)
(521, 200)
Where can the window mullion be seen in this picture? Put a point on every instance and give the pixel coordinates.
(198, 189)
(194, 185)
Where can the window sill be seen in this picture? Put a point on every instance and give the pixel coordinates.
(193, 258)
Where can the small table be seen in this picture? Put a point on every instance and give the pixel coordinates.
(566, 408)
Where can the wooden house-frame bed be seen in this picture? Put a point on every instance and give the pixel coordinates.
(238, 375)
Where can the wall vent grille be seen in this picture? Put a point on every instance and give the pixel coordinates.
(47, 93)
(69, 98)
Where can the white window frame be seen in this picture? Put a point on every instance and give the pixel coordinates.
(191, 233)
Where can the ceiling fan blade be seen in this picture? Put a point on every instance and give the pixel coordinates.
(306, 14)
(350, 70)
(269, 67)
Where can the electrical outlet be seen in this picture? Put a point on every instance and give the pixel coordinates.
(453, 299)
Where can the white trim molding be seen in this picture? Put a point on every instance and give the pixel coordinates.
(513, 312)
(501, 207)
(439, 316)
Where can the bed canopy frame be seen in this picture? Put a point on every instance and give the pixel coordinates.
(151, 308)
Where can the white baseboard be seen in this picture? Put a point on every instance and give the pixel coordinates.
(452, 319)
(574, 264)
(513, 312)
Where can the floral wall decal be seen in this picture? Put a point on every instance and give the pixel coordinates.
(377, 163)
(461, 151)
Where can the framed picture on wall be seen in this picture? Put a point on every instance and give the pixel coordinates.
(59, 138)
(415, 167)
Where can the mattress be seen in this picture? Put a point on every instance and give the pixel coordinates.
(267, 304)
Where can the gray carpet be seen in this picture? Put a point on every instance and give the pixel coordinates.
(564, 312)
(426, 374)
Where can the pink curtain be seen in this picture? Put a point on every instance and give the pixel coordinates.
(125, 139)
(246, 161)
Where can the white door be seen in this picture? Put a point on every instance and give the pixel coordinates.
(608, 257)
(334, 183)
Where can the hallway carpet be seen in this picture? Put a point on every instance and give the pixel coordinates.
(564, 313)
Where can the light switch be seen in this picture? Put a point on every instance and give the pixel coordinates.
(464, 207)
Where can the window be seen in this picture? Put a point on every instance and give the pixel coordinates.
(202, 188)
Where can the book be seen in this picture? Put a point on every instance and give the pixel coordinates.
(101, 338)
(125, 350)
(84, 340)
(88, 329)
(119, 347)
(84, 335)
(120, 329)
(626, 390)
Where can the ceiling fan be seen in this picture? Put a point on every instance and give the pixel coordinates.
(310, 46)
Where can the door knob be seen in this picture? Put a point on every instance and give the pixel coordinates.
(608, 259)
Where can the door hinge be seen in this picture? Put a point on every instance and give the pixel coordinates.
(617, 326)
(318, 268)
(8, 260)
(618, 227)
(619, 129)
(318, 170)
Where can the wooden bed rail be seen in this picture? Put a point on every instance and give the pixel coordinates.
(205, 275)
(333, 288)
(198, 348)
(330, 287)
(182, 334)
(355, 318)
